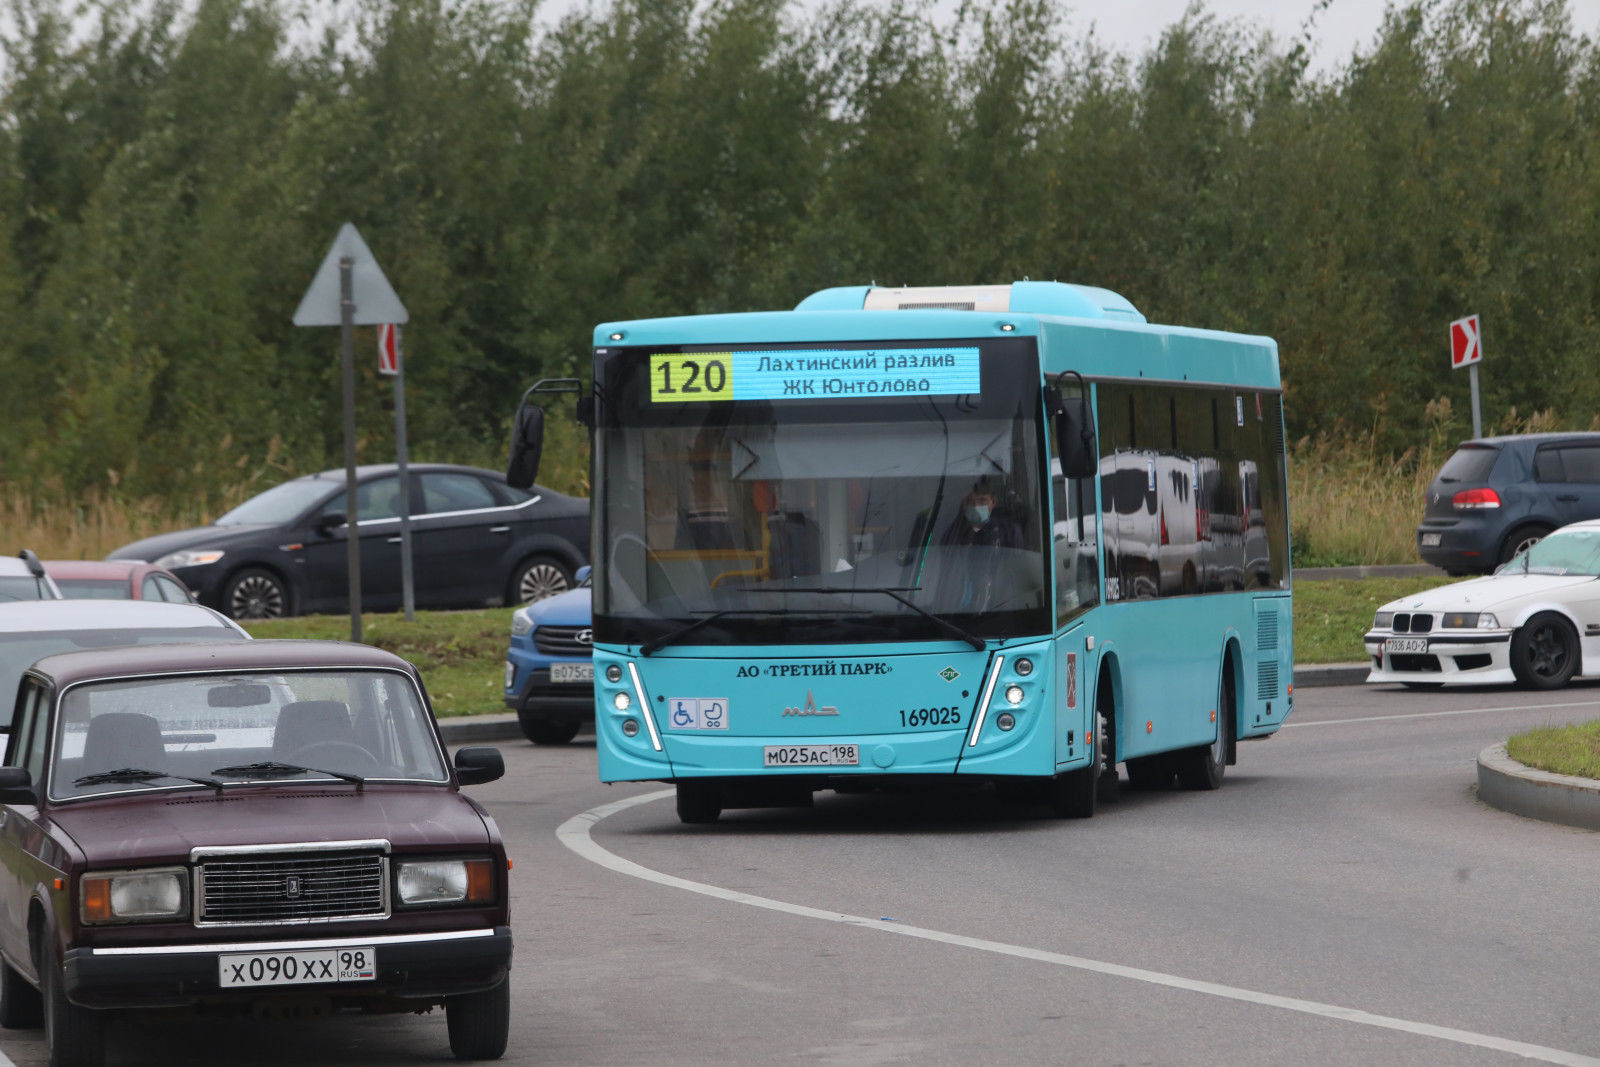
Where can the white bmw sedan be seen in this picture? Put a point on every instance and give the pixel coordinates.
(1535, 621)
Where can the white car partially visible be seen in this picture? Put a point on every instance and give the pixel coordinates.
(1535, 621)
(33, 629)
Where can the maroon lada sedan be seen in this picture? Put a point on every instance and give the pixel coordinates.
(227, 826)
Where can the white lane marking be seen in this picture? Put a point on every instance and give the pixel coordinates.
(574, 833)
(1442, 714)
(5, 1061)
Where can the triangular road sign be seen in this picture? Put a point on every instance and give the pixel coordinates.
(374, 298)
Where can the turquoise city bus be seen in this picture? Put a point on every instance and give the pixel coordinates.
(1010, 535)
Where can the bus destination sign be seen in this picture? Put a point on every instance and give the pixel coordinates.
(812, 374)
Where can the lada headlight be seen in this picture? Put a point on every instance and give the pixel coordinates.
(135, 896)
(521, 623)
(465, 881)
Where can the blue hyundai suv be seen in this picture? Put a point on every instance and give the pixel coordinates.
(550, 665)
(1497, 495)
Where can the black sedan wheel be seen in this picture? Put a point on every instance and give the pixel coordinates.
(255, 593)
(1544, 652)
(537, 578)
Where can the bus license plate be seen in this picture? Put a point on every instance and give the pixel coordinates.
(1405, 644)
(572, 672)
(357, 964)
(812, 755)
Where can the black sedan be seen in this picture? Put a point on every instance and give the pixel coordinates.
(476, 542)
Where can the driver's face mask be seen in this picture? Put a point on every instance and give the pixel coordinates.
(978, 514)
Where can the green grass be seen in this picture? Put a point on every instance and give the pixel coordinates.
(461, 654)
(1331, 616)
(1560, 749)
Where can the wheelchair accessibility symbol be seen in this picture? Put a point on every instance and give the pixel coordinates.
(698, 713)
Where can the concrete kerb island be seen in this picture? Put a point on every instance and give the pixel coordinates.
(1561, 798)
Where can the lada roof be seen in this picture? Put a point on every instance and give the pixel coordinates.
(35, 616)
(66, 668)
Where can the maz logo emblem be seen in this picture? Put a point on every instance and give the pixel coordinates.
(811, 708)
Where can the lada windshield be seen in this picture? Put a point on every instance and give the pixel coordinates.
(221, 731)
(1563, 552)
(809, 506)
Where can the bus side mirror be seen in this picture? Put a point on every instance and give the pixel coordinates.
(1075, 438)
(527, 442)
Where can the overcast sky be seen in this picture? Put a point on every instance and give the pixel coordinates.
(1132, 26)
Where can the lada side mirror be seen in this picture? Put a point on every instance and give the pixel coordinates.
(477, 765)
(16, 786)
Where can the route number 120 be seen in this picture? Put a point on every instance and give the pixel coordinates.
(695, 376)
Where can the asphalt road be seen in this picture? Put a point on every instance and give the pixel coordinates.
(1343, 899)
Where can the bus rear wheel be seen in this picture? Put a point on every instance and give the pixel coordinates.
(699, 802)
(1203, 766)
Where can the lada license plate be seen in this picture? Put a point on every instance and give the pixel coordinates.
(812, 755)
(1430, 540)
(572, 672)
(298, 967)
(1405, 644)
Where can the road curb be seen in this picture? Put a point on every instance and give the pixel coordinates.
(1560, 798)
(468, 729)
(1331, 674)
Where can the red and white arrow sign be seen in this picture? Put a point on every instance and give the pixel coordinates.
(1466, 345)
(388, 348)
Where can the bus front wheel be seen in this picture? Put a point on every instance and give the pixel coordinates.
(699, 802)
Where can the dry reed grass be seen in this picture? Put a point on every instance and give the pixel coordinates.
(1349, 503)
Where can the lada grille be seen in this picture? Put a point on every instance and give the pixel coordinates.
(564, 640)
(309, 887)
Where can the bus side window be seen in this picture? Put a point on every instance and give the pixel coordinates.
(1076, 548)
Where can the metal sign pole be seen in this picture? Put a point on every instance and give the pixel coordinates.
(407, 591)
(347, 347)
(1477, 414)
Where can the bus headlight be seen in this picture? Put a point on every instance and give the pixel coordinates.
(613, 673)
(1005, 720)
(1023, 667)
(1013, 695)
(622, 702)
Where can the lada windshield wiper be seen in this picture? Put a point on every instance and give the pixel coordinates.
(140, 774)
(681, 632)
(944, 623)
(270, 768)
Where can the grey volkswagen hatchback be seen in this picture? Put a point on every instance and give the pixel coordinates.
(1497, 495)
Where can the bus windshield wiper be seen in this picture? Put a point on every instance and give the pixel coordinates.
(945, 624)
(268, 768)
(140, 774)
(672, 638)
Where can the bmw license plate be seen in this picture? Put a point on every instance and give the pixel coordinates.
(298, 967)
(1430, 540)
(1405, 644)
(572, 672)
(812, 755)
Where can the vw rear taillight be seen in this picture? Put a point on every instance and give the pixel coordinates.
(1475, 500)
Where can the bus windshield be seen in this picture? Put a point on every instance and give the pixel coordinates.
(822, 520)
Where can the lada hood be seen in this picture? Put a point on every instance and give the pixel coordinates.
(1494, 592)
(571, 608)
(162, 828)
